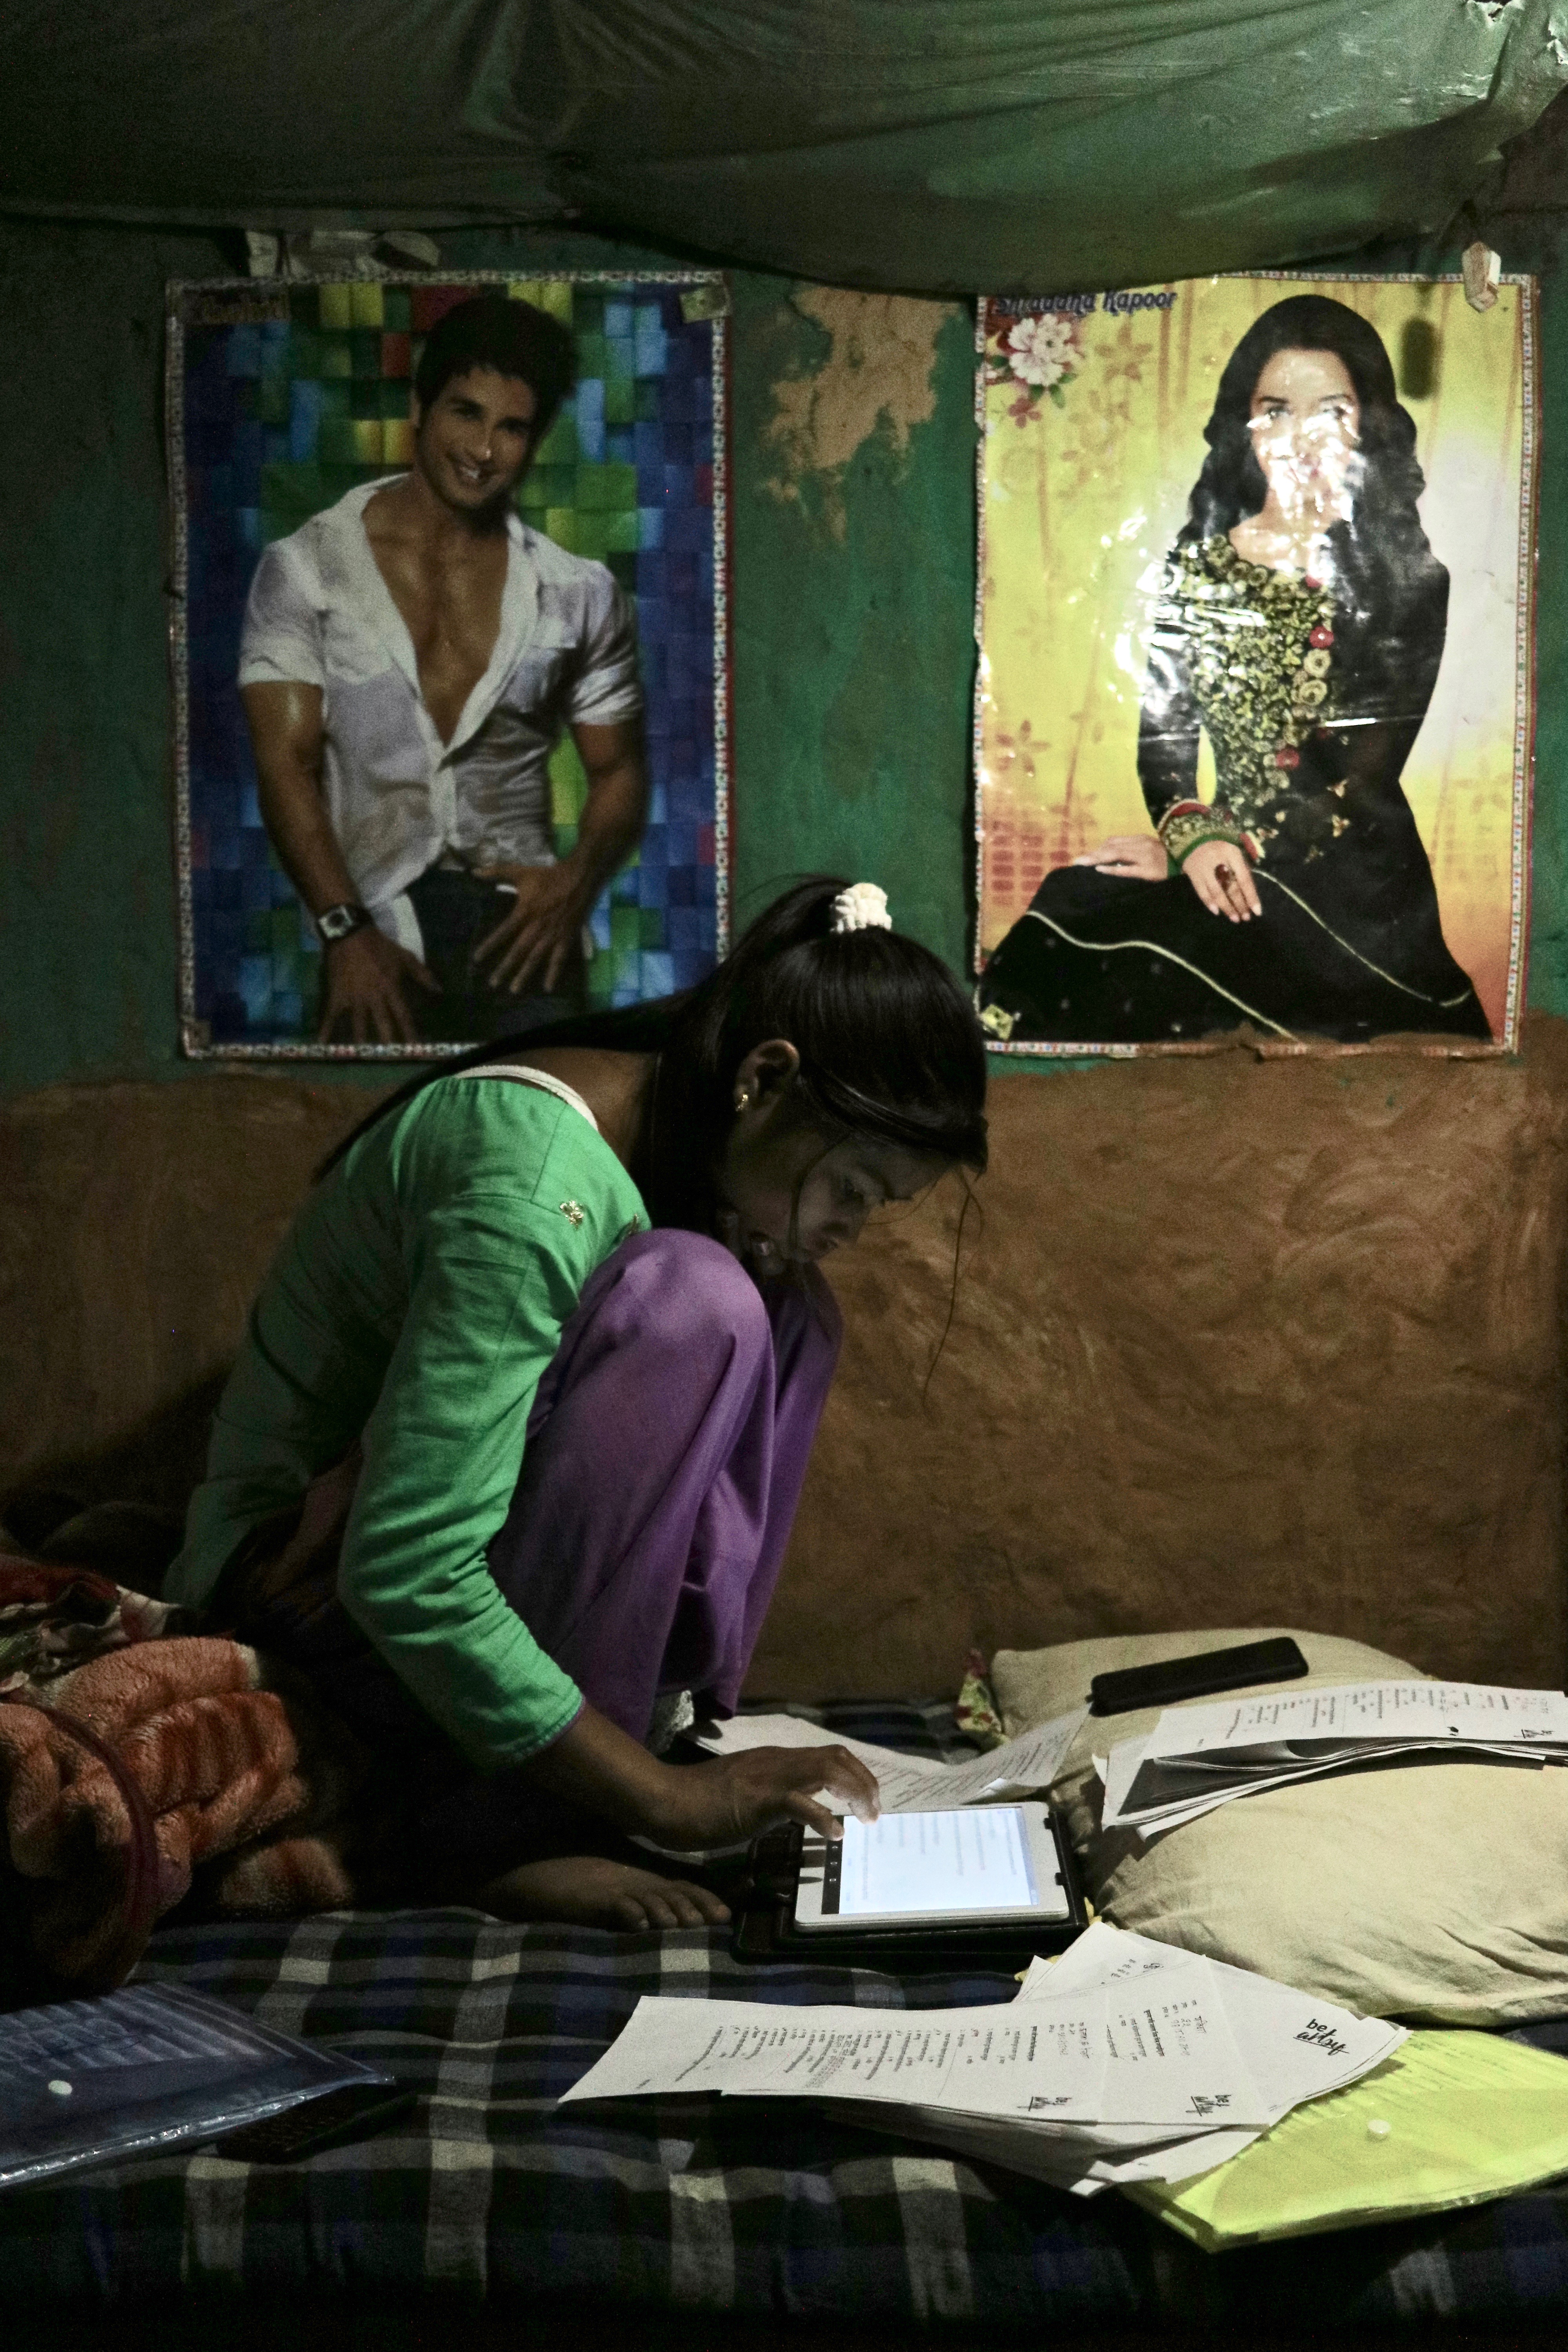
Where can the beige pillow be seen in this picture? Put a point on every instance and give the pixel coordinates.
(1437, 1893)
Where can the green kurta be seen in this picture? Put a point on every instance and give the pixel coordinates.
(413, 1307)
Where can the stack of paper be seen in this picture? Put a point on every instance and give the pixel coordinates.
(1125, 2060)
(1200, 1757)
(908, 1783)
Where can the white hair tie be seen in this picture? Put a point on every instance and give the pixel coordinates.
(862, 907)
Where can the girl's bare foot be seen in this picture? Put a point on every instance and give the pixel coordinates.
(589, 1890)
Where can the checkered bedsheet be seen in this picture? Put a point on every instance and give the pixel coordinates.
(489, 2191)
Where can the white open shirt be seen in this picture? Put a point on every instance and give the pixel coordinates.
(319, 614)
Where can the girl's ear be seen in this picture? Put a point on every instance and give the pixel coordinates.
(768, 1068)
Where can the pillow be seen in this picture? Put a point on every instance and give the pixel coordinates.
(1435, 1892)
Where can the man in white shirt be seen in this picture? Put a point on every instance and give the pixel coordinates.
(408, 661)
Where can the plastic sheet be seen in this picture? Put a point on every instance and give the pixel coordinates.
(142, 2070)
(1451, 2119)
(1018, 144)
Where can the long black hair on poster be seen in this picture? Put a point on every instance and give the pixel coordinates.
(1387, 578)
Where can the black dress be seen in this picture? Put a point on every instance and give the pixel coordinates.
(1310, 718)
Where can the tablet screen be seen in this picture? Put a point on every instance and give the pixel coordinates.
(909, 1865)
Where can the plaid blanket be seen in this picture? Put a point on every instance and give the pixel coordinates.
(488, 2192)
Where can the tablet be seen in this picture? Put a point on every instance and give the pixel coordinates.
(977, 1866)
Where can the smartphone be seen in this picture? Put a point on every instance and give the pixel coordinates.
(352, 2112)
(1175, 1679)
(969, 1866)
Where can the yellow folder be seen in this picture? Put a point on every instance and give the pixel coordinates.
(1451, 2119)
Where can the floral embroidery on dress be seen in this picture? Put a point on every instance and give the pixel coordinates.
(1256, 645)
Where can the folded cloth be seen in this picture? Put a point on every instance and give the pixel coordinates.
(53, 1618)
(163, 1762)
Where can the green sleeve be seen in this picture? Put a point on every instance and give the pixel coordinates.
(495, 1267)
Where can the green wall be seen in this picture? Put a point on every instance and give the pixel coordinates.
(854, 596)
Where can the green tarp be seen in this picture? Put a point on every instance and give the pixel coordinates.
(935, 146)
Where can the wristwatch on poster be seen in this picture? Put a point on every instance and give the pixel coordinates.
(337, 922)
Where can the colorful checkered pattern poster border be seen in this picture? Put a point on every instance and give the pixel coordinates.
(282, 395)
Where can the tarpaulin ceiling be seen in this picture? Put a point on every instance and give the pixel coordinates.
(940, 145)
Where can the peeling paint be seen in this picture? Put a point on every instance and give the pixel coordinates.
(876, 377)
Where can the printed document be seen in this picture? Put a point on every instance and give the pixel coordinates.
(1379, 1712)
(1198, 1758)
(1124, 2061)
(911, 1784)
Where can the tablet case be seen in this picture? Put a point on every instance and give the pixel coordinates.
(763, 1908)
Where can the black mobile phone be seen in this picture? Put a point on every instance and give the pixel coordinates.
(1175, 1679)
(352, 2112)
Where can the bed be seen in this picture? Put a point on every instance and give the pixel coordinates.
(688, 2222)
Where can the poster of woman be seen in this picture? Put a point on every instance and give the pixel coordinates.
(1252, 716)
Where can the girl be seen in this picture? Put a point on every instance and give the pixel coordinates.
(509, 1455)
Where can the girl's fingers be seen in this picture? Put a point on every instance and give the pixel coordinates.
(847, 1777)
(816, 1817)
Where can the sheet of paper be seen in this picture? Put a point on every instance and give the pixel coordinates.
(1175, 2058)
(1161, 2056)
(1377, 1712)
(978, 2061)
(1015, 2147)
(1006, 2063)
(1140, 2041)
(1121, 1769)
(1181, 2159)
(1165, 1791)
(911, 1784)
(1294, 2045)
(1169, 2060)
(1151, 1990)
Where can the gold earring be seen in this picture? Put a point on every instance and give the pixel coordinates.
(742, 1099)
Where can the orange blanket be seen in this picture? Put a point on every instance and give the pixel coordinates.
(138, 1760)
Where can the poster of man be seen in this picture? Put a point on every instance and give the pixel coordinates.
(446, 724)
(1254, 707)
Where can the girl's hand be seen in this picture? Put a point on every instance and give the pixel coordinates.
(1136, 856)
(735, 1797)
(690, 1806)
(1222, 876)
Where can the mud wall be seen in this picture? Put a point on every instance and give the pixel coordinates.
(1243, 1341)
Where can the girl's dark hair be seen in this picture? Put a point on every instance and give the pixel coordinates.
(1385, 567)
(890, 1048)
(516, 339)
